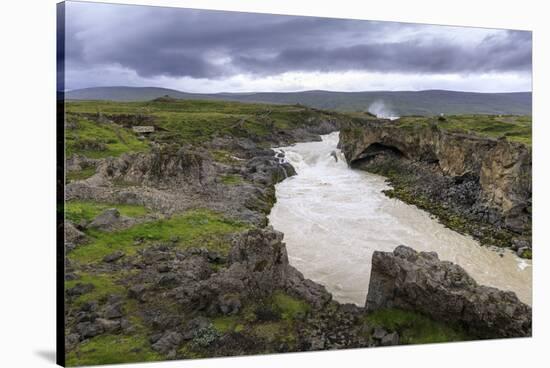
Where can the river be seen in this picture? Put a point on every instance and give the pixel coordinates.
(334, 218)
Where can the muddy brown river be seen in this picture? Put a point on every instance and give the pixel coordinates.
(334, 218)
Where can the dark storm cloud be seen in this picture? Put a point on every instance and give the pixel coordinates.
(491, 55)
(208, 44)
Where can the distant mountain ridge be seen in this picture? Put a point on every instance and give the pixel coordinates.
(398, 103)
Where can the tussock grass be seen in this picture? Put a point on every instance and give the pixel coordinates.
(77, 211)
(414, 328)
(198, 228)
(98, 140)
(514, 127)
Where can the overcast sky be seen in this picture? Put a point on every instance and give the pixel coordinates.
(216, 51)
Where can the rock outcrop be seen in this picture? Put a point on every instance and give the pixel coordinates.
(442, 290)
(484, 181)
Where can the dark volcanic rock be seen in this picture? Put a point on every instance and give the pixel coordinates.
(109, 325)
(390, 339)
(113, 257)
(420, 282)
(484, 181)
(80, 289)
(106, 220)
(137, 292)
(73, 235)
(169, 341)
(113, 311)
(89, 329)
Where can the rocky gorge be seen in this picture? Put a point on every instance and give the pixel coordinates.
(168, 252)
(474, 184)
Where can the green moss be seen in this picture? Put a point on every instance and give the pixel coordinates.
(527, 254)
(231, 179)
(113, 349)
(97, 140)
(514, 127)
(77, 211)
(80, 175)
(199, 228)
(414, 328)
(269, 330)
(105, 284)
(290, 307)
(190, 351)
(225, 323)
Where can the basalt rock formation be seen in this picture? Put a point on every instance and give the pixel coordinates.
(477, 185)
(420, 282)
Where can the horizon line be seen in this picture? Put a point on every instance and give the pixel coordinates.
(297, 91)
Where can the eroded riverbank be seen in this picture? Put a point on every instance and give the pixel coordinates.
(334, 218)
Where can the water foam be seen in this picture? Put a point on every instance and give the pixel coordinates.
(334, 218)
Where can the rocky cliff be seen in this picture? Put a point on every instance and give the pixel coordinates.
(419, 281)
(477, 185)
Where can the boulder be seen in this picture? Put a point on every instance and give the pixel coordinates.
(113, 257)
(89, 329)
(80, 289)
(108, 325)
(137, 292)
(390, 339)
(106, 220)
(167, 342)
(73, 235)
(442, 290)
(113, 311)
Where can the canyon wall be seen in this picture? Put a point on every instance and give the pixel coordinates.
(481, 184)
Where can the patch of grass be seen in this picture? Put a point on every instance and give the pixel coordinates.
(77, 211)
(269, 330)
(80, 175)
(290, 307)
(226, 323)
(98, 140)
(527, 254)
(200, 228)
(104, 283)
(195, 121)
(515, 128)
(223, 156)
(113, 349)
(231, 179)
(414, 328)
(190, 351)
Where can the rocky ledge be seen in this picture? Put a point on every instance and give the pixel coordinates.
(420, 282)
(475, 185)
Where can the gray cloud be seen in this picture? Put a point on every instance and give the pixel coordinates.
(155, 41)
(491, 55)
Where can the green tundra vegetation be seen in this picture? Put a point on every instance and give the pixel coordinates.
(415, 328)
(77, 211)
(516, 128)
(176, 121)
(204, 227)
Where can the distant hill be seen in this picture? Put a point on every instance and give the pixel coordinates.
(398, 103)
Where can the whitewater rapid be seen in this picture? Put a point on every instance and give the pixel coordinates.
(334, 218)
